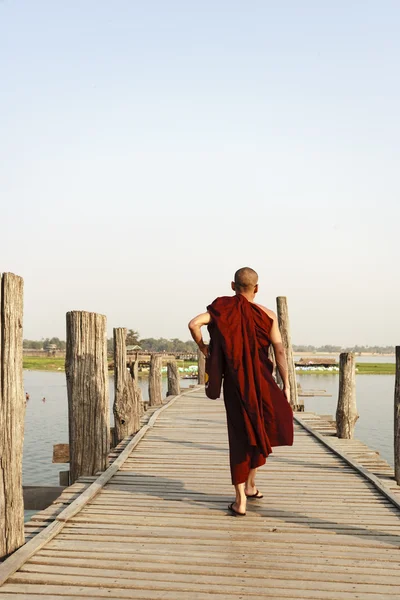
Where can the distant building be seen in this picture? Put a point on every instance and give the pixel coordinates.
(133, 349)
(51, 348)
(316, 362)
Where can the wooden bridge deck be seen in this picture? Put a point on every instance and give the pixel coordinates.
(159, 529)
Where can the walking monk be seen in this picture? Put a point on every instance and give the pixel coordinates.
(258, 412)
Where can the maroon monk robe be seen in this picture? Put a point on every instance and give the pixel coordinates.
(258, 414)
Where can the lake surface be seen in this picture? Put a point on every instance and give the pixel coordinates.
(46, 423)
(375, 404)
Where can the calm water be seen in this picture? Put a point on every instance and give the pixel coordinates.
(375, 404)
(46, 423)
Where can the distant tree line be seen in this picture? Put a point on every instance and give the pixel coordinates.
(132, 339)
(44, 343)
(337, 349)
(176, 345)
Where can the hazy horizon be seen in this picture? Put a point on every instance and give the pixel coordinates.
(149, 150)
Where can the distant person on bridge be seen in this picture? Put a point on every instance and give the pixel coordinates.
(259, 415)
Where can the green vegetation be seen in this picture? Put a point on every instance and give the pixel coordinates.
(376, 368)
(56, 363)
(362, 369)
(44, 343)
(132, 339)
(44, 363)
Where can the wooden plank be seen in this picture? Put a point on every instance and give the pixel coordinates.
(187, 583)
(129, 567)
(14, 562)
(71, 592)
(159, 528)
(60, 453)
(372, 478)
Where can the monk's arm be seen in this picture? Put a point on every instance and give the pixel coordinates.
(280, 355)
(195, 326)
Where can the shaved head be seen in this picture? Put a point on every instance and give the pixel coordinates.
(245, 279)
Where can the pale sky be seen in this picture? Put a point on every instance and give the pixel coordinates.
(149, 149)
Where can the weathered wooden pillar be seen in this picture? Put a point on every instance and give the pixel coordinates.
(88, 395)
(12, 414)
(155, 382)
(126, 401)
(201, 374)
(346, 412)
(134, 368)
(397, 419)
(174, 388)
(284, 326)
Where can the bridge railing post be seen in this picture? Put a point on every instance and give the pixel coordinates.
(284, 326)
(12, 414)
(397, 418)
(201, 373)
(174, 388)
(88, 395)
(155, 381)
(134, 367)
(126, 406)
(346, 412)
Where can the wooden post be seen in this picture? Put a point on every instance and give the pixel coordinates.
(155, 383)
(12, 414)
(88, 395)
(126, 402)
(284, 326)
(397, 419)
(346, 413)
(134, 367)
(201, 376)
(173, 378)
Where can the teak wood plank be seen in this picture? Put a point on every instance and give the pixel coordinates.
(156, 524)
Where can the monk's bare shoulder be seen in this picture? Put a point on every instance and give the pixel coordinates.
(269, 312)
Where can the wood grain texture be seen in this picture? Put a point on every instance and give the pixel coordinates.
(126, 406)
(397, 418)
(12, 414)
(159, 526)
(201, 375)
(346, 412)
(284, 327)
(174, 388)
(60, 453)
(88, 393)
(75, 502)
(155, 383)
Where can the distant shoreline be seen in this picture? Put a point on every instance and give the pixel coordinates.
(57, 365)
(337, 353)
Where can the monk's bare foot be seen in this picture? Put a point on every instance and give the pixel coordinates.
(238, 508)
(253, 492)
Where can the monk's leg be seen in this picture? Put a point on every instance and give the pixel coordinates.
(240, 503)
(250, 486)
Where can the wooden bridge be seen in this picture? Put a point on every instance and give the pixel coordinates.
(155, 524)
